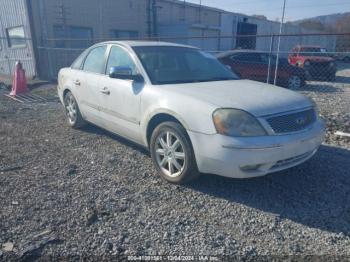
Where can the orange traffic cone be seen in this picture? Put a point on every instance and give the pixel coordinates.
(19, 83)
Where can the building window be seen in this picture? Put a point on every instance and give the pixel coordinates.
(59, 35)
(16, 37)
(84, 33)
(72, 36)
(246, 35)
(125, 34)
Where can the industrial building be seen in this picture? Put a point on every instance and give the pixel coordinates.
(47, 35)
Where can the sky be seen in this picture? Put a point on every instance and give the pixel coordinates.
(272, 9)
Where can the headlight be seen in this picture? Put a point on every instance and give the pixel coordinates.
(307, 63)
(234, 122)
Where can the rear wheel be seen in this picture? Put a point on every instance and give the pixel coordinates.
(294, 82)
(172, 153)
(73, 114)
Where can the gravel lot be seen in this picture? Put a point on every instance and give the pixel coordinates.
(89, 193)
(333, 100)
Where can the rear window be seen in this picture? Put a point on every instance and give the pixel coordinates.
(77, 64)
(95, 60)
(313, 51)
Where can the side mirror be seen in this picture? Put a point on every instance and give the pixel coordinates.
(121, 72)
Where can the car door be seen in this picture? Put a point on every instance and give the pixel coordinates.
(251, 66)
(88, 83)
(239, 66)
(259, 66)
(120, 98)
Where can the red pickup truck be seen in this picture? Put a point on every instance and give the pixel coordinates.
(315, 61)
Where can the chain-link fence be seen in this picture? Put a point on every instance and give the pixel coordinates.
(317, 65)
(286, 60)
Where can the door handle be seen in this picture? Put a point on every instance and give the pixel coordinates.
(77, 83)
(105, 91)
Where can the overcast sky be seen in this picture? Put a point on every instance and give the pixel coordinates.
(296, 9)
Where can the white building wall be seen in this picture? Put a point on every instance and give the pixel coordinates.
(14, 14)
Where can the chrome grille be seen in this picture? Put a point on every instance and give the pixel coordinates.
(292, 122)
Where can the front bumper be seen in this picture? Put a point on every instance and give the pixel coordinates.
(230, 157)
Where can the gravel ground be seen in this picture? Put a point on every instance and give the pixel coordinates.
(333, 101)
(88, 193)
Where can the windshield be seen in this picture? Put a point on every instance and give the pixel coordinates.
(313, 51)
(273, 58)
(171, 65)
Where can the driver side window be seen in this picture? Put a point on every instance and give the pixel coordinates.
(118, 57)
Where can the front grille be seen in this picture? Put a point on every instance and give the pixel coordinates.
(292, 122)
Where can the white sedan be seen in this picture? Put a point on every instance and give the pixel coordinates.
(190, 111)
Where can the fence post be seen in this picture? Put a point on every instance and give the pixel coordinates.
(279, 42)
(270, 56)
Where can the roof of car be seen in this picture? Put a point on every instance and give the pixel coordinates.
(226, 53)
(309, 46)
(146, 43)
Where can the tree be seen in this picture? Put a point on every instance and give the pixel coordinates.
(313, 25)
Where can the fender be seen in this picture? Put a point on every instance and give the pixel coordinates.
(149, 116)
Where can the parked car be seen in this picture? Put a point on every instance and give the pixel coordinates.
(255, 65)
(343, 56)
(315, 60)
(192, 113)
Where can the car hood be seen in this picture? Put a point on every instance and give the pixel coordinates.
(256, 98)
(318, 58)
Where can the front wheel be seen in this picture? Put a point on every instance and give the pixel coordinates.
(172, 153)
(73, 114)
(294, 82)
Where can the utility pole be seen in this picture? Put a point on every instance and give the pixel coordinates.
(279, 41)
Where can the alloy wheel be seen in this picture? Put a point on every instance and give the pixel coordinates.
(294, 82)
(71, 109)
(170, 154)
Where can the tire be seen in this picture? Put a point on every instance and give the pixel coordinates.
(176, 165)
(75, 120)
(294, 82)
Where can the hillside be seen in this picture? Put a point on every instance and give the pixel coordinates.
(330, 23)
